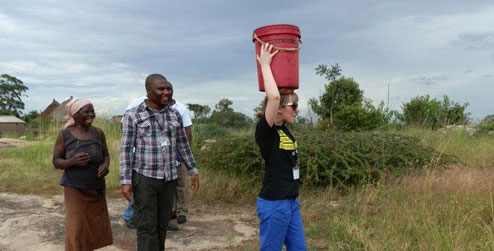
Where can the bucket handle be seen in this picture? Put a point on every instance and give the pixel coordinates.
(278, 48)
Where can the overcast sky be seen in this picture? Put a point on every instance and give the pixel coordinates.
(103, 50)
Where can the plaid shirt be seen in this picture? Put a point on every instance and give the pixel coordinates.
(150, 143)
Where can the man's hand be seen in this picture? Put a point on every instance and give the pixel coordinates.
(127, 191)
(194, 182)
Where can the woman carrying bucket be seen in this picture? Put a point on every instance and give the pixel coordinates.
(277, 207)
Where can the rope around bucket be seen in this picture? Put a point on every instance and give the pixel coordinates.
(278, 48)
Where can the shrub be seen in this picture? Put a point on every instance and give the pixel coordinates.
(330, 158)
(202, 132)
(487, 124)
(431, 113)
(343, 106)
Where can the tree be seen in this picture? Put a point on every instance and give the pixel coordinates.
(329, 74)
(486, 124)
(224, 105)
(225, 116)
(426, 112)
(343, 104)
(339, 92)
(30, 116)
(11, 91)
(200, 111)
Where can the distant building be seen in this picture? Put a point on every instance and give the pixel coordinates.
(10, 124)
(55, 110)
(117, 118)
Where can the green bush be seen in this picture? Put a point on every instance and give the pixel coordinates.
(343, 106)
(431, 113)
(487, 124)
(330, 158)
(230, 119)
(202, 132)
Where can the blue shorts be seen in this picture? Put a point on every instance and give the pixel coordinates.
(281, 222)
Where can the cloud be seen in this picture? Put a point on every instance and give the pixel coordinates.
(476, 40)
(104, 51)
(429, 80)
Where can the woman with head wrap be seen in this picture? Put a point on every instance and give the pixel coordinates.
(81, 151)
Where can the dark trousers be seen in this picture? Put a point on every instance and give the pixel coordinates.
(153, 206)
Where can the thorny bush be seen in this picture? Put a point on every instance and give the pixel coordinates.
(338, 159)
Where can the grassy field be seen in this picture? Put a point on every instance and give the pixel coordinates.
(441, 210)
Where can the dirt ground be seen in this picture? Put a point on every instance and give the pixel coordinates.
(35, 223)
(7, 142)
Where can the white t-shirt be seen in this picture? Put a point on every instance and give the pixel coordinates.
(181, 108)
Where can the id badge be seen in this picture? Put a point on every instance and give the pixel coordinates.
(164, 141)
(296, 172)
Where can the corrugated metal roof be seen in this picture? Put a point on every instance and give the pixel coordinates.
(10, 119)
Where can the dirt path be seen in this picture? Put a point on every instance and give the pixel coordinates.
(7, 142)
(34, 223)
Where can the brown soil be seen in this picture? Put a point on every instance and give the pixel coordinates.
(6, 142)
(35, 223)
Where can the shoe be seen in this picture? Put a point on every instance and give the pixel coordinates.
(130, 224)
(181, 219)
(172, 227)
(174, 216)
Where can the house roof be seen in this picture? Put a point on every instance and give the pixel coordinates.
(55, 110)
(10, 119)
(49, 110)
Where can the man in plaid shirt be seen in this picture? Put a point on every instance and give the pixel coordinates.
(152, 136)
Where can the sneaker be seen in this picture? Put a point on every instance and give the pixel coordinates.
(181, 219)
(130, 224)
(172, 227)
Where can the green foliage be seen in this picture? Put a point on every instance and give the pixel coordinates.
(207, 131)
(487, 124)
(431, 113)
(225, 116)
(224, 105)
(343, 105)
(29, 117)
(361, 116)
(200, 111)
(331, 158)
(339, 93)
(346, 159)
(235, 154)
(329, 74)
(11, 91)
(230, 119)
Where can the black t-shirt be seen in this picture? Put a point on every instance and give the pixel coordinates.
(279, 150)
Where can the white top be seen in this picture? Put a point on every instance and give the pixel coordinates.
(181, 108)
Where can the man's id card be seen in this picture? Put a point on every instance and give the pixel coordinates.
(164, 141)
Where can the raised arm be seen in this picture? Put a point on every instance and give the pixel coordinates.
(273, 102)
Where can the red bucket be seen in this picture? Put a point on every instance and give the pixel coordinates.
(286, 39)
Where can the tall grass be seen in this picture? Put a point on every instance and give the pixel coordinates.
(441, 210)
(29, 169)
(475, 151)
(450, 210)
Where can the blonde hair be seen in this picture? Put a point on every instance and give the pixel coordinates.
(284, 99)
